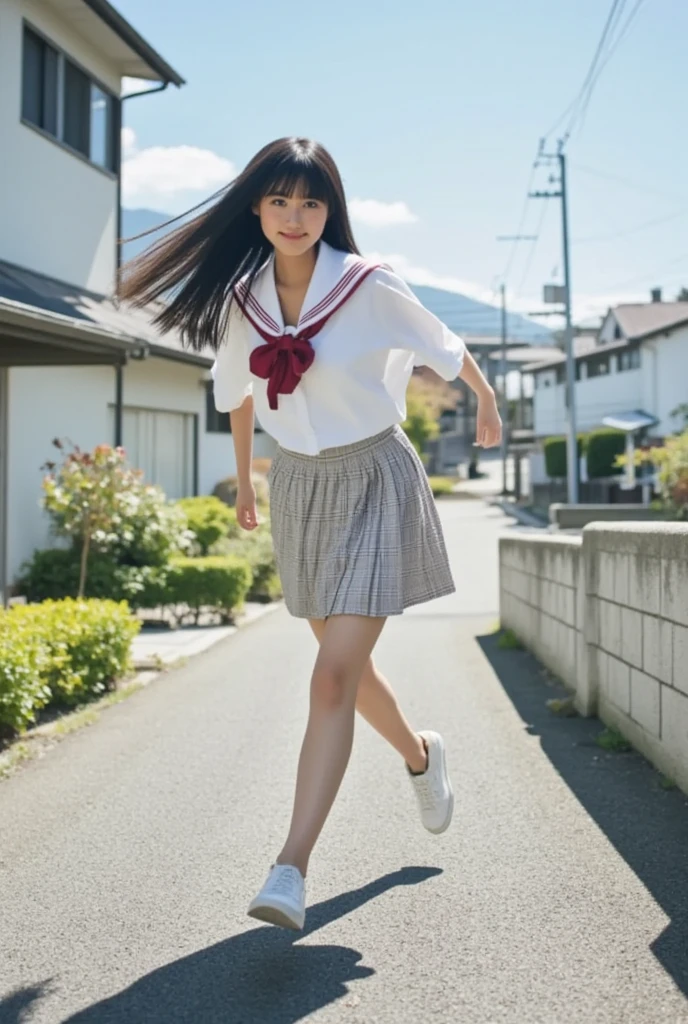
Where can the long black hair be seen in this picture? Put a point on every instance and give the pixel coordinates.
(198, 263)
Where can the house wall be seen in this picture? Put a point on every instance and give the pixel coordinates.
(77, 403)
(665, 379)
(57, 212)
(595, 398)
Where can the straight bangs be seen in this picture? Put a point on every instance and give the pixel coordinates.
(298, 177)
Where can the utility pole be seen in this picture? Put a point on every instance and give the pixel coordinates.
(504, 412)
(571, 436)
(504, 403)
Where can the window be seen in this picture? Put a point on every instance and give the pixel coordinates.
(218, 422)
(629, 360)
(598, 367)
(65, 102)
(39, 92)
(215, 422)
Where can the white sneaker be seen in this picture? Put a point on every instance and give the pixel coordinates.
(433, 789)
(282, 900)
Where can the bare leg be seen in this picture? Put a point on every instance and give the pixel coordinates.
(345, 646)
(377, 703)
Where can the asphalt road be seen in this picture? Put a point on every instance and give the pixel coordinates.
(129, 853)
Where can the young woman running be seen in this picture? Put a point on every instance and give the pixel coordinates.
(321, 343)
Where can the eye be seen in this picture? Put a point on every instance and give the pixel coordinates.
(312, 204)
(277, 202)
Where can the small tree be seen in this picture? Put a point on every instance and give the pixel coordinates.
(104, 506)
(83, 496)
(682, 295)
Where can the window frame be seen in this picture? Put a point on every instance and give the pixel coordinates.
(110, 171)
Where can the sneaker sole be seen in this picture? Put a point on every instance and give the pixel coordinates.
(273, 913)
(450, 813)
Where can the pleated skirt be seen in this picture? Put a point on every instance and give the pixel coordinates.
(356, 529)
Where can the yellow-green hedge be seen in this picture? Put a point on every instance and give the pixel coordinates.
(60, 653)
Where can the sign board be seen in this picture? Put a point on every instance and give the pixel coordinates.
(554, 294)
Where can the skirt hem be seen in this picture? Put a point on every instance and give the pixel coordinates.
(377, 614)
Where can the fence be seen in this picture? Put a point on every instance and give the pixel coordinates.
(608, 614)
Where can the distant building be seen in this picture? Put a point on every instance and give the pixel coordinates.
(72, 364)
(636, 362)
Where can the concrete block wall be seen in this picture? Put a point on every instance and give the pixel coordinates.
(624, 650)
(540, 577)
(637, 591)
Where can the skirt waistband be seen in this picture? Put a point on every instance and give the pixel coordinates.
(343, 450)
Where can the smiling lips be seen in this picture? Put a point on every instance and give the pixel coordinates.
(292, 238)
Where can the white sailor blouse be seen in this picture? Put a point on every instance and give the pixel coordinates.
(341, 374)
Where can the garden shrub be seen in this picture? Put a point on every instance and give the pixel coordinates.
(226, 490)
(603, 447)
(54, 574)
(556, 459)
(256, 547)
(60, 653)
(218, 582)
(208, 519)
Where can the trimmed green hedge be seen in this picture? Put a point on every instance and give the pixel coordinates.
(60, 653)
(556, 461)
(220, 583)
(602, 449)
(54, 574)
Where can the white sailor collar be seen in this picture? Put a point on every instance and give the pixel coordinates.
(335, 277)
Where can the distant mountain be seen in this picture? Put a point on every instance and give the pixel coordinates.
(461, 314)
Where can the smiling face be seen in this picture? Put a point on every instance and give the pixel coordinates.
(292, 224)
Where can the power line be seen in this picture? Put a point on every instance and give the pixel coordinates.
(533, 247)
(522, 220)
(611, 17)
(614, 47)
(627, 182)
(624, 232)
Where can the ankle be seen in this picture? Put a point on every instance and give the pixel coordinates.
(419, 765)
(294, 862)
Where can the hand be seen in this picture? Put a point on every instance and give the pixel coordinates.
(247, 517)
(489, 425)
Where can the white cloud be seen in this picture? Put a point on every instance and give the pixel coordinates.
(128, 141)
(586, 307)
(421, 275)
(171, 178)
(380, 215)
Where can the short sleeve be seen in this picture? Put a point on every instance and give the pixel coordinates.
(230, 372)
(415, 328)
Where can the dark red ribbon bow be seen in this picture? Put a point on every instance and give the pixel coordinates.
(283, 361)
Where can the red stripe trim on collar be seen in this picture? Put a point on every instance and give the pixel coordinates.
(335, 292)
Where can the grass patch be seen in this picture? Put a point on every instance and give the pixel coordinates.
(613, 741)
(564, 707)
(666, 783)
(508, 641)
(440, 485)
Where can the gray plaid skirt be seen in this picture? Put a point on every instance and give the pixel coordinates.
(356, 529)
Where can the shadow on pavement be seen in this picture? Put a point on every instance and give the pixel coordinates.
(259, 977)
(622, 793)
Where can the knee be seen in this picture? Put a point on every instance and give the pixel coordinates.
(331, 687)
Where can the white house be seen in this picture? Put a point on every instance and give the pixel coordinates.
(72, 363)
(637, 361)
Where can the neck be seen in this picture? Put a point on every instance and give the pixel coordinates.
(295, 271)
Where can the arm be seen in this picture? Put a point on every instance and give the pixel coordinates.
(489, 425)
(416, 329)
(242, 420)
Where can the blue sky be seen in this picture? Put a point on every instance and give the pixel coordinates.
(438, 107)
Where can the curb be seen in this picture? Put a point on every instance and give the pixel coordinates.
(521, 515)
